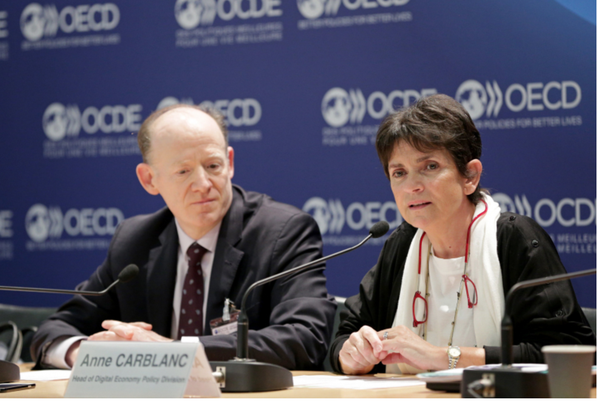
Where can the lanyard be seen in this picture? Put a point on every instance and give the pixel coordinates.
(464, 279)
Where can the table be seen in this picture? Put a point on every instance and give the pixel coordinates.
(56, 389)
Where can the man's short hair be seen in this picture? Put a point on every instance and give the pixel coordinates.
(144, 134)
(437, 122)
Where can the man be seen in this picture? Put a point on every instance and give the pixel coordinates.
(243, 237)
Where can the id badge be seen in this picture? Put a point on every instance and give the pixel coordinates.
(227, 324)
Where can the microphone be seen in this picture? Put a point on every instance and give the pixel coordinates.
(379, 229)
(126, 274)
(508, 381)
(246, 375)
(9, 371)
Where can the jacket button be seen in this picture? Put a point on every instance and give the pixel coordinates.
(512, 218)
(535, 243)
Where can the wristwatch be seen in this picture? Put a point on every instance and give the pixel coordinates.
(454, 353)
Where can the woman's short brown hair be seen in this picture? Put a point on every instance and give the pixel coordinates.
(432, 123)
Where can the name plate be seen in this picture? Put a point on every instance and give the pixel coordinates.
(141, 370)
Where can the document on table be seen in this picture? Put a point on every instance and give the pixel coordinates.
(46, 375)
(354, 382)
(455, 375)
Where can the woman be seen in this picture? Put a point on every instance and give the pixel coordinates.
(435, 299)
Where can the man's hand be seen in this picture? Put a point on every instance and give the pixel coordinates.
(360, 353)
(71, 354)
(120, 331)
(117, 331)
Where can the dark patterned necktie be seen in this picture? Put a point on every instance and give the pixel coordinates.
(191, 316)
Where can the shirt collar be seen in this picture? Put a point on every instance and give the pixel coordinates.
(208, 241)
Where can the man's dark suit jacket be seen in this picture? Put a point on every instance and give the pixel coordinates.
(290, 320)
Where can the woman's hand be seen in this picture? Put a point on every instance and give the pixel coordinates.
(404, 346)
(360, 352)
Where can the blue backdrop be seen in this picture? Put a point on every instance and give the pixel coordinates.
(303, 84)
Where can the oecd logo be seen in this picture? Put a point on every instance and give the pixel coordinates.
(237, 112)
(520, 205)
(578, 212)
(42, 223)
(3, 24)
(58, 121)
(40, 220)
(190, 13)
(331, 216)
(37, 21)
(340, 107)
(478, 99)
(6, 224)
(312, 9)
(171, 101)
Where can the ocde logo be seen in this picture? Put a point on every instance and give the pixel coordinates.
(568, 212)
(3, 24)
(331, 216)
(42, 222)
(37, 21)
(6, 224)
(534, 96)
(59, 120)
(340, 107)
(312, 9)
(237, 112)
(191, 13)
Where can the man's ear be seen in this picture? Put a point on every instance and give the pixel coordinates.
(146, 175)
(474, 173)
(231, 162)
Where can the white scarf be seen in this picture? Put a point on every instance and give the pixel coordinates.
(483, 269)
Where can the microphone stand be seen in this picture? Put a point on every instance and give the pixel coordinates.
(243, 374)
(10, 372)
(243, 321)
(126, 274)
(507, 325)
(507, 381)
(53, 291)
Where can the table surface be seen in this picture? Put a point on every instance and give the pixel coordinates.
(56, 389)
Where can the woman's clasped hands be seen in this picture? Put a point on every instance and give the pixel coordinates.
(367, 347)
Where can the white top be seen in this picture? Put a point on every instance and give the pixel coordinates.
(56, 353)
(445, 279)
(484, 269)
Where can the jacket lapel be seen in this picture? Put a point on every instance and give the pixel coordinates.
(226, 260)
(161, 276)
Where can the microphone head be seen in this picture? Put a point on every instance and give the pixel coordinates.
(379, 229)
(128, 273)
